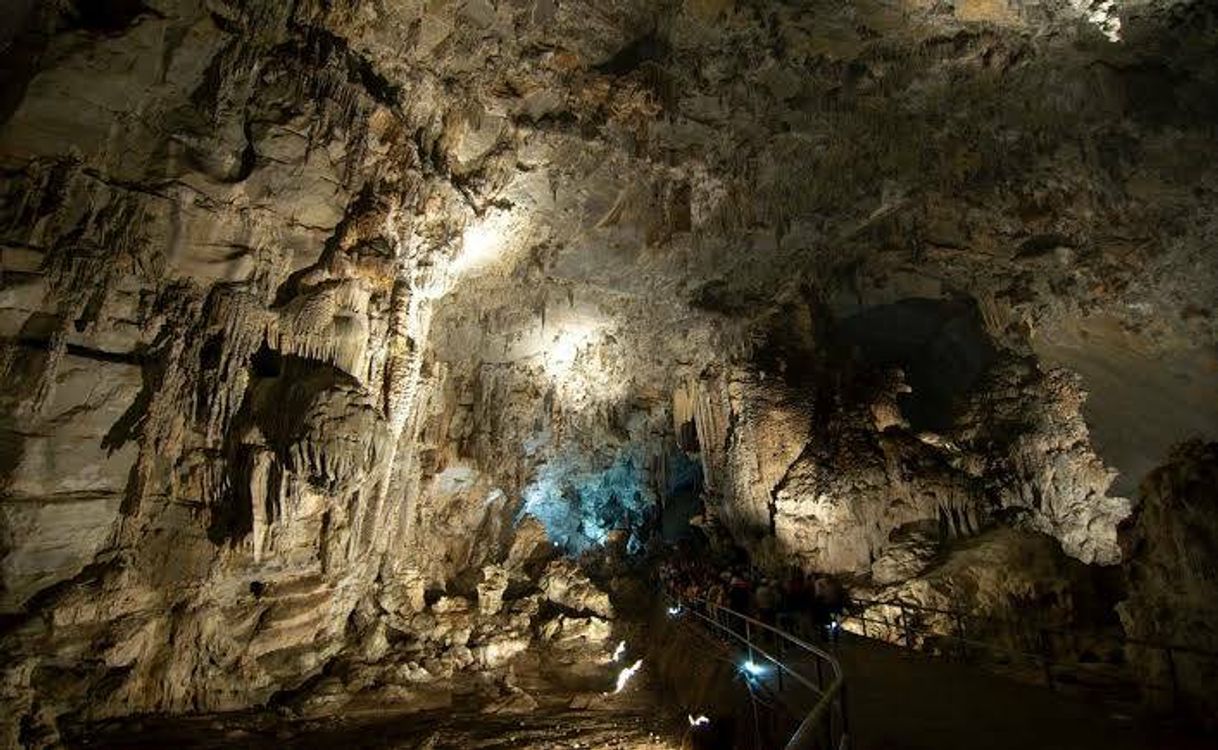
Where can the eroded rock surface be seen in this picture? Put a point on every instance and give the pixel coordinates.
(303, 303)
(1170, 548)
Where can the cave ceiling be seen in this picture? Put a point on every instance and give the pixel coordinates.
(673, 165)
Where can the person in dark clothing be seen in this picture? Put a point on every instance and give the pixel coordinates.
(830, 601)
(767, 602)
(791, 614)
(739, 596)
(819, 609)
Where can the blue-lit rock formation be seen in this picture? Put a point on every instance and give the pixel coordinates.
(580, 505)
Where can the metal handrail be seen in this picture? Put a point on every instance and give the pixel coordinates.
(829, 712)
(1043, 656)
(960, 613)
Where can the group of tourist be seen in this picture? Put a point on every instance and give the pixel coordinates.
(803, 604)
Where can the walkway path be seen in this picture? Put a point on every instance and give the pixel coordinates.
(902, 700)
(899, 699)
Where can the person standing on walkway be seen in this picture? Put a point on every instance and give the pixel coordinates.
(739, 594)
(791, 609)
(767, 602)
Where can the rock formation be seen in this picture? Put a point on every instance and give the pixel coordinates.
(327, 326)
(1170, 547)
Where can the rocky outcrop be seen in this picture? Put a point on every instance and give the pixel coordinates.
(1171, 552)
(809, 474)
(1025, 429)
(564, 585)
(1004, 588)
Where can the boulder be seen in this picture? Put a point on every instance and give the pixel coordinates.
(564, 584)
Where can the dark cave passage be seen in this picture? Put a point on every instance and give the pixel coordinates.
(941, 345)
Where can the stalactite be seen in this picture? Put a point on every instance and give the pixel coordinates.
(411, 314)
(326, 324)
(81, 265)
(162, 426)
(236, 324)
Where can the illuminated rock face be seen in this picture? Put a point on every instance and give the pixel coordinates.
(306, 307)
(579, 509)
(809, 476)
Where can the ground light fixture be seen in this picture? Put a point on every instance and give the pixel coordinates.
(753, 670)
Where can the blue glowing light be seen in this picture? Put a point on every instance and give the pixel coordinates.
(753, 669)
(579, 502)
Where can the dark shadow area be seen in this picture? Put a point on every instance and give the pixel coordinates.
(682, 497)
(22, 44)
(108, 16)
(890, 707)
(940, 344)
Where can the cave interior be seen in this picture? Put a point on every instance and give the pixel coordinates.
(371, 359)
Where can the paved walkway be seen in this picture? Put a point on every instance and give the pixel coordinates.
(902, 700)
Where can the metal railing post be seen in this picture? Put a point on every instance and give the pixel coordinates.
(748, 639)
(1044, 658)
(843, 722)
(829, 730)
(782, 648)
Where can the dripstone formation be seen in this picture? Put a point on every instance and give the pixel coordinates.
(331, 331)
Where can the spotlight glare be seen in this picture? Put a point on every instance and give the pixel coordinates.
(619, 651)
(752, 669)
(699, 721)
(565, 347)
(480, 245)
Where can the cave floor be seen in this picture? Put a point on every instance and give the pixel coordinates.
(570, 712)
(433, 730)
(900, 700)
(897, 700)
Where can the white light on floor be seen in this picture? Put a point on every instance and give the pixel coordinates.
(624, 676)
(674, 610)
(698, 721)
(619, 651)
